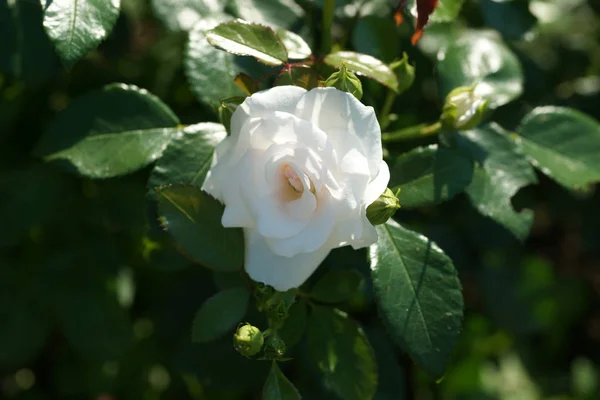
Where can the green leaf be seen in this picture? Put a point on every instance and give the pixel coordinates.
(563, 143)
(276, 13)
(418, 292)
(78, 26)
(483, 60)
(220, 314)
(210, 72)
(364, 65)
(187, 158)
(339, 349)
(511, 18)
(430, 175)
(248, 39)
(110, 132)
(31, 55)
(278, 387)
(294, 325)
(502, 171)
(305, 77)
(227, 108)
(377, 36)
(336, 286)
(182, 15)
(295, 46)
(193, 218)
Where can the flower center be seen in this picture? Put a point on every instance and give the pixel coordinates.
(293, 179)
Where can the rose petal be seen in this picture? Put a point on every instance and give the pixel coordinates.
(343, 117)
(314, 235)
(279, 98)
(282, 273)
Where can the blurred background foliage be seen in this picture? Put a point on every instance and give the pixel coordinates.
(97, 303)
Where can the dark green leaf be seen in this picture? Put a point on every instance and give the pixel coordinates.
(502, 171)
(110, 132)
(78, 26)
(339, 349)
(193, 218)
(210, 72)
(376, 36)
(392, 382)
(418, 293)
(248, 39)
(296, 47)
(564, 144)
(305, 77)
(187, 158)
(512, 18)
(336, 286)
(294, 325)
(182, 15)
(227, 108)
(364, 65)
(278, 387)
(34, 59)
(430, 175)
(480, 59)
(220, 314)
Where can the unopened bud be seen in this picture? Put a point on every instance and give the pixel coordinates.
(345, 81)
(405, 73)
(383, 208)
(248, 340)
(274, 348)
(463, 109)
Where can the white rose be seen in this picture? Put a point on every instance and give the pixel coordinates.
(297, 173)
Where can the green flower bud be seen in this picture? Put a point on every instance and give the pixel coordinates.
(463, 109)
(345, 81)
(274, 348)
(383, 208)
(405, 73)
(248, 340)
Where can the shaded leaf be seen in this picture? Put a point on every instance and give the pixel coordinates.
(276, 13)
(563, 143)
(430, 175)
(182, 15)
(502, 171)
(305, 77)
(219, 314)
(339, 349)
(210, 72)
(278, 387)
(480, 59)
(110, 132)
(511, 18)
(376, 36)
(246, 83)
(248, 39)
(419, 294)
(187, 159)
(193, 218)
(336, 286)
(365, 65)
(294, 325)
(78, 26)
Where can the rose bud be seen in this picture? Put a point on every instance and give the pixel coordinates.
(248, 340)
(274, 348)
(463, 109)
(345, 81)
(405, 73)
(383, 208)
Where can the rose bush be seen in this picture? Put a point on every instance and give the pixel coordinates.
(297, 173)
